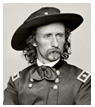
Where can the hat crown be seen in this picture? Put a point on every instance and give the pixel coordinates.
(42, 12)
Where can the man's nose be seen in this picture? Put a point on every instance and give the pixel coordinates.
(54, 42)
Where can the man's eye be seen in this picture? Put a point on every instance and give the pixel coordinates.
(60, 35)
(47, 36)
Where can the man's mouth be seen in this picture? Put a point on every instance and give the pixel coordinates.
(54, 51)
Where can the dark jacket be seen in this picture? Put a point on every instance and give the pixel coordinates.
(27, 87)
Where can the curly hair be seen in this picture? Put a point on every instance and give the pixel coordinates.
(30, 51)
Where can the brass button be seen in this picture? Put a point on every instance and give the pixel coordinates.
(30, 85)
(55, 87)
(31, 79)
(57, 80)
(57, 72)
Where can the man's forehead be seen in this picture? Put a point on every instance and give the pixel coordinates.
(52, 27)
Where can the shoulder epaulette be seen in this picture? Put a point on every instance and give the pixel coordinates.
(15, 76)
(83, 76)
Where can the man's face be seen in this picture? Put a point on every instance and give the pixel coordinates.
(50, 41)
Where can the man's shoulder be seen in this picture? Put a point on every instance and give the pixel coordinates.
(76, 72)
(22, 73)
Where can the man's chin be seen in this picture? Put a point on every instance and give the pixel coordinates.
(53, 57)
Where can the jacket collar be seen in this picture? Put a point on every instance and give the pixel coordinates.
(51, 64)
(34, 75)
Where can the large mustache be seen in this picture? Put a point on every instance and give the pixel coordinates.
(57, 50)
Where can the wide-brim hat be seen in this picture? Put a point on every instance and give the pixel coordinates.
(41, 17)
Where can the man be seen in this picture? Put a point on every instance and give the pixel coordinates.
(49, 80)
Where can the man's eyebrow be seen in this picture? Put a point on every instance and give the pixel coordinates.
(48, 34)
(60, 33)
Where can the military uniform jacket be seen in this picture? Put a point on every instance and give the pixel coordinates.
(70, 87)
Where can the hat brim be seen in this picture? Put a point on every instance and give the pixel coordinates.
(72, 21)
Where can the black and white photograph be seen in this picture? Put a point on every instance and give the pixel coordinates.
(46, 53)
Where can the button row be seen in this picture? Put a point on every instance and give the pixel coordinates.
(55, 87)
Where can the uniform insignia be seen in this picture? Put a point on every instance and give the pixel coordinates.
(83, 76)
(15, 76)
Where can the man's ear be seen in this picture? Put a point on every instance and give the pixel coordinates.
(34, 44)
